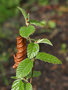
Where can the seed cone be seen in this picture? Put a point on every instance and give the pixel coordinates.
(21, 51)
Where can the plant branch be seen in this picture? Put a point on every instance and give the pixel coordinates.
(33, 63)
(32, 71)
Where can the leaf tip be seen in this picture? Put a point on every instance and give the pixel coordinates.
(60, 62)
(51, 44)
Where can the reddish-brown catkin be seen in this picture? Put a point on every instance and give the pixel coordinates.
(21, 51)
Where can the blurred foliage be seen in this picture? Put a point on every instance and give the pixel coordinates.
(43, 2)
(5, 34)
(39, 2)
(56, 1)
(4, 57)
(63, 50)
(3, 75)
(60, 13)
(8, 9)
(67, 1)
(63, 47)
(31, 1)
(51, 24)
(10, 3)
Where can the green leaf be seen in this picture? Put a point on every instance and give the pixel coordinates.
(27, 86)
(38, 23)
(24, 68)
(18, 85)
(44, 41)
(23, 12)
(48, 58)
(14, 77)
(32, 50)
(51, 24)
(35, 74)
(27, 31)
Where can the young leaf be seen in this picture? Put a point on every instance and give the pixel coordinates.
(27, 31)
(17, 85)
(23, 12)
(27, 86)
(48, 58)
(35, 74)
(24, 68)
(38, 23)
(32, 50)
(44, 41)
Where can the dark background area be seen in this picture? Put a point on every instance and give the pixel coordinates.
(55, 13)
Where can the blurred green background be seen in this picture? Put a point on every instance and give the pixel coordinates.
(55, 14)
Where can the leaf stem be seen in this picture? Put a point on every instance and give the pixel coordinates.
(29, 39)
(24, 79)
